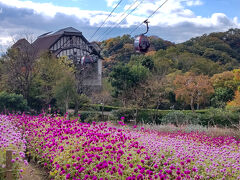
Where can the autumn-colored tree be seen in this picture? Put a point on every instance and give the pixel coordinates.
(193, 89)
(224, 79)
(18, 68)
(224, 86)
(235, 105)
(236, 101)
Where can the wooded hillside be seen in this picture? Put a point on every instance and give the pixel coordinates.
(156, 79)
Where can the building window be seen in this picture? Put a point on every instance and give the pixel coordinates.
(71, 41)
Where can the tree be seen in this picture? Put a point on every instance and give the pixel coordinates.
(235, 103)
(221, 96)
(224, 79)
(18, 68)
(125, 79)
(119, 48)
(225, 86)
(193, 89)
(65, 90)
(220, 47)
(48, 70)
(158, 43)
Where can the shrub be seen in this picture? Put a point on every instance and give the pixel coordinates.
(89, 116)
(150, 116)
(127, 113)
(99, 107)
(180, 118)
(12, 102)
(145, 116)
(220, 117)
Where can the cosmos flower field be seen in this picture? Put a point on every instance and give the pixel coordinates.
(73, 150)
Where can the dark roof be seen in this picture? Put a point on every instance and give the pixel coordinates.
(68, 29)
(21, 43)
(44, 42)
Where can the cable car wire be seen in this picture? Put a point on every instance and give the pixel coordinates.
(149, 16)
(106, 19)
(143, 45)
(119, 21)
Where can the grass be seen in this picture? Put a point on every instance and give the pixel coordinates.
(211, 131)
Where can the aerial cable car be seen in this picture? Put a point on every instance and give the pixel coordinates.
(87, 59)
(141, 42)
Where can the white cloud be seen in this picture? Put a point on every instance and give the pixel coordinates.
(194, 3)
(235, 20)
(5, 40)
(175, 12)
(50, 10)
(111, 3)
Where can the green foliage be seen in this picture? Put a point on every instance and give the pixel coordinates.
(12, 102)
(219, 117)
(139, 73)
(148, 63)
(142, 116)
(221, 96)
(82, 99)
(65, 91)
(119, 48)
(99, 107)
(145, 61)
(158, 43)
(218, 47)
(90, 116)
(180, 118)
(121, 79)
(124, 77)
(232, 38)
(150, 116)
(49, 71)
(128, 114)
(207, 117)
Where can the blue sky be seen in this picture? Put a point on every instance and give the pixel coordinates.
(228, 7)
(177, 21)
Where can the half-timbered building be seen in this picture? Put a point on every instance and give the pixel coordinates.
(69, 42)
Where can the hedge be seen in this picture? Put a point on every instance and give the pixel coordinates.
(99, 107)
(112, 108)
(205, 117)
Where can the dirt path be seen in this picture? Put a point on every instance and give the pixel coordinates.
(34, 172)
